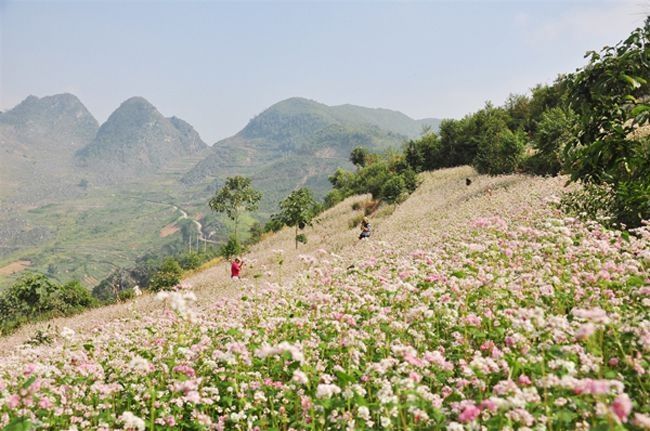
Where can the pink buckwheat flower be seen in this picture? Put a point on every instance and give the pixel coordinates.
(470, 413)
(622, 407)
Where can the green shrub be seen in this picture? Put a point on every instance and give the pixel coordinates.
(590, 202)
(126, 295)
(231, 248)
(168, 275)
(394, 189)
(190, 260)
(499, 153)
(34, 296)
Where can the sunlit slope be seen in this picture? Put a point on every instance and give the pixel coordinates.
(477, 306)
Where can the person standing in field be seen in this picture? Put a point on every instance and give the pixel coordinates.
(365, 228)
(235, 268)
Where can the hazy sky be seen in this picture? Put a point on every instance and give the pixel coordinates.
(218, 64)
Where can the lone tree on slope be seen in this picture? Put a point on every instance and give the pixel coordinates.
(298, 209)
(236, 196)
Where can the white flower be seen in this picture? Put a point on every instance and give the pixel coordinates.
(140, 365)
(326, 391)
(364, 413)
(131, 421)
(300, 377)
(67, 333)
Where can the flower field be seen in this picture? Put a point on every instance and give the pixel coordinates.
(495, 311)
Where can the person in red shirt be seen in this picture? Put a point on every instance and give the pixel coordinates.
(235, 268)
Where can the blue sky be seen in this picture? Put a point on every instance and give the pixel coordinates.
(218, 64)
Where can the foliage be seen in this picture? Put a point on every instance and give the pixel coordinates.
(191, 260)
(232, 248)
(236, 196)
(610, 97)
(556, 130)
(456, 144)
(298, 210)
(498, 149)
(590, 202)
(167, 276)
(126, 295)
(389, 176)
(424, 154)
(256, 231)
(35, 296)
(359, 156)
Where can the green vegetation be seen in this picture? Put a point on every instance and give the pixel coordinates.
(36, 297)
(584, 125)
(298, 210)
(235, 197)
(611, 98)
(168, 275)
(387, 177)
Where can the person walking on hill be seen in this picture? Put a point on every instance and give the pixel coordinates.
(365, 228)
(235, 268)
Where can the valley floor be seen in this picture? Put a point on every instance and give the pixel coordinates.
(470, 305)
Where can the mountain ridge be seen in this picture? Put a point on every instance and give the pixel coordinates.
(137, 139)
(302, 141)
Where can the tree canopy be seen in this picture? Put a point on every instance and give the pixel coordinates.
(236, 196)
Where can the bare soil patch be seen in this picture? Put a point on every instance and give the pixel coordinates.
(14, 267)
(168, 230)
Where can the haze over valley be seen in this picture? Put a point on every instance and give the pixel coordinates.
(81, 200)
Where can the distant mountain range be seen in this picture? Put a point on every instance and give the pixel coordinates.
(136, 140)
(300, 142)
(38, 141)
(78, 199)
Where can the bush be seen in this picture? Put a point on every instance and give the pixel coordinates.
(190, 260)
(556, 130)
(231, 248)
(167, 276)
(609, 96)
(126, 295)
(500, 153)
(590, 202)
(35, 296)
(394, 189)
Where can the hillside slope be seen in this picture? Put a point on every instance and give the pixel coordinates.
(38, 139)
(475, 305)
(299, 142)
(137, 140)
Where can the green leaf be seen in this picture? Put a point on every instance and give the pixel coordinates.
(29, 382)
(20, 424)
(632, 81)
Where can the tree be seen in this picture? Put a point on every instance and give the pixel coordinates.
(498, 149)
(168, 275)
(555, 131)
(298, 210)
(610, 95)
(424, 153)
(359, 156)
(236, 196)
(518, 108)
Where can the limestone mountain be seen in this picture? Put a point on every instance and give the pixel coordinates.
(38, 140)
(52, 123)
(300, 142)
(137, 140)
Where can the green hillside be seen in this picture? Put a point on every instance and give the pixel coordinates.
(301, 142)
